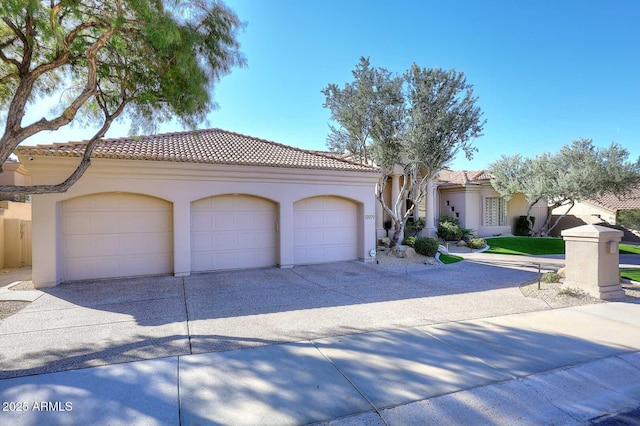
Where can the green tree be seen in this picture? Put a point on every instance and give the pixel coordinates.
(629, 219)
(148, 60)
(418, 121)
(577, 172)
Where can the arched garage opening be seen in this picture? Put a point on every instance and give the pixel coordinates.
(111, 235)
(325, 229)
(233, 231)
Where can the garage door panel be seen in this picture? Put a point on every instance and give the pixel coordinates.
(325, 230)
(156, 221)
(202, 220)
(201, 242)
(152, 243)
(117, 235)
(233, 231)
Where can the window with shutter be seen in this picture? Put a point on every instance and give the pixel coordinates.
(495, 211)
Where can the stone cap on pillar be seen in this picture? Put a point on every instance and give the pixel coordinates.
(593, 232)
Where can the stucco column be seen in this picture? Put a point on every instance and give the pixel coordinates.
(367, 234)
(471, 216)
(430, 210)
(379, 220)
(181, 238)
(285, 231)
(592, 261)
(45, 254)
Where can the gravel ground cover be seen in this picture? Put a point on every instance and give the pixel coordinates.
(556, 297)
(8, 308)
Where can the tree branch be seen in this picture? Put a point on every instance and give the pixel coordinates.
(78, 172)
(70, 112)
(15, 30)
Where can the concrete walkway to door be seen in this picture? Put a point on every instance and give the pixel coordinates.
(456, 343)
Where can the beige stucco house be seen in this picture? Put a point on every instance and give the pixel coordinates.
(467, 196)
(600, 210)
(190, 202)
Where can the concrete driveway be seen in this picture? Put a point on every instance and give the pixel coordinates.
(95, 323)
(348, 342)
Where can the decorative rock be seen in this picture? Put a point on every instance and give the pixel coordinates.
(431, 261)
(402, 251)
(461, 243)
(442, 249)
(384, 241)
(562, 273)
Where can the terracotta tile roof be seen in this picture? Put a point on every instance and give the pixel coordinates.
(463, 177)
(210, 146)
(612, 202)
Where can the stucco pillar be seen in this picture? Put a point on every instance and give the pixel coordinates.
(181, 238)
(430, 210)
(285, 231)
(379, 220)
(395, 188)
(395, 191)
(46, 253)
(592, 261)
(367, 232)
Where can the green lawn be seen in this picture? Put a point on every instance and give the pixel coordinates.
(534, 246)
(626, 248)
(449, 258)
(631, 274)
(525, 245)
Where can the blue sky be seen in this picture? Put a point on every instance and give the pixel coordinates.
(545, 72)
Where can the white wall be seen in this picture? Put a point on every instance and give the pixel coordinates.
(182, 183)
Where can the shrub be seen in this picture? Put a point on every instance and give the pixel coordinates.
(414, 226)
(426, 246)
(522, 228)
(477, 243)
(572, 292)
(410, 241)
(550, 277)
(449, 229)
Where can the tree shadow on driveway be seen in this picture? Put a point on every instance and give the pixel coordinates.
(79, 324)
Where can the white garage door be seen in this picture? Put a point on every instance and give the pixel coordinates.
(233, 231)
(116, 235)
(325, 230)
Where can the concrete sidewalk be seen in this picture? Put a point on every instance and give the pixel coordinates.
(563, 366)
(11, 277)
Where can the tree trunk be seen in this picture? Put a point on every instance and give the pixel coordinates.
(560, 218)
(531, 231)
(398, 235)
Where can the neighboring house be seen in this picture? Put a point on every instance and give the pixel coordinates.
(15, 218)
(195, 201)
(603, 209)
(15, 234)
(14, 173)
(469, 197)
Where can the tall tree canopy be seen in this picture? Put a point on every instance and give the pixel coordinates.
(577, 172)
(419, 120)
(148, 60)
